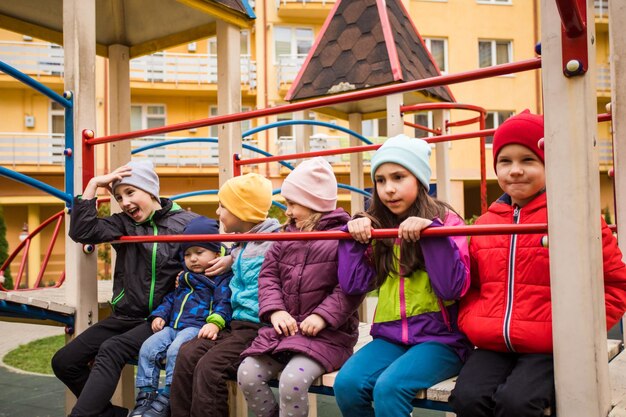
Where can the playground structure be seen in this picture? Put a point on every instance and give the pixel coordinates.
(582, 374)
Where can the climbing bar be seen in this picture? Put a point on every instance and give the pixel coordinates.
(478, 74)
(487, 229)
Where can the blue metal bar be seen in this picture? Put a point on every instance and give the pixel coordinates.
(69, 149)
(19, 75)
(209, 140)
(10, 309)
(67, 198)
(214, 192)
(356, 190)
(306, 122)
(193, 193)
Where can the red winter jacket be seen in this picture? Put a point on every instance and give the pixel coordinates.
(508, 306)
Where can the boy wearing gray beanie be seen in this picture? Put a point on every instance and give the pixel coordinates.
(144, 274)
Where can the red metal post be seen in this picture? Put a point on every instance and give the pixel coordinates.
(574, 36)
(88, 158)
(483, 171)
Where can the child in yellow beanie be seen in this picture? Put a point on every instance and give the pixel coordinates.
(203, 366)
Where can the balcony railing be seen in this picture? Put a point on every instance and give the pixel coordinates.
(322, 2)
(186, 68)
(17, 148)
(288, 67)
(602, 8)
(36, 58)
(603, 81)
(33, 58)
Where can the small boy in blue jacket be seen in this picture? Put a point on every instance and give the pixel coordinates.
(198, 307)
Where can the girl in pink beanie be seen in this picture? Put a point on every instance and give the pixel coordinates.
(314, 324)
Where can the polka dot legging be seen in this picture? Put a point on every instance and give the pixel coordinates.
(295, 380)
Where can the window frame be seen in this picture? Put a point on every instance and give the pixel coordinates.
(494, 52)
(496, 123)
(293, 40)
(428, 42)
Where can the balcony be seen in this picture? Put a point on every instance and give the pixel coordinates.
(34, 58)
(288, 67)
(35, 149)
(309, 9)
(167, 67)
(601, 8)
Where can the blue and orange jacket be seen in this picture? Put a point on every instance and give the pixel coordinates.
(421, 306)
(197, 300)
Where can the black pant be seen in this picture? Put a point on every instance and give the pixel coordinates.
(202, 369)
(498, 384)
(109, 343)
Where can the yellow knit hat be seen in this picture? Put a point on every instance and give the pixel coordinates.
(248, 197)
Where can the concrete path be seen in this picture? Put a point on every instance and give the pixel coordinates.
(24, 394)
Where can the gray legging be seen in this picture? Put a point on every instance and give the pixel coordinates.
(295, 380)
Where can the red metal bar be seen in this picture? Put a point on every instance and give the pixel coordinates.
(236, 165)
(20, 271)
(483, 171)
(483, 229)
(571, 17)
(362, 148)
(46, 258)
(441, 106)
(494, 71)
(605, 117)
(422, 127)
(466, 122)
(88, 159)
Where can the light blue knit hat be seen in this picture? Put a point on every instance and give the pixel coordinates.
(413, 154)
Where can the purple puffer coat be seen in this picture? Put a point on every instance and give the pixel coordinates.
(300, 277)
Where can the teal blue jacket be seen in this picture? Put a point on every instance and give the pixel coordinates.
(248, 258)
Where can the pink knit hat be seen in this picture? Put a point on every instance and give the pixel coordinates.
(312, 184)
(523, 129)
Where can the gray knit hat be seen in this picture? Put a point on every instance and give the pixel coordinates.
(142, 176)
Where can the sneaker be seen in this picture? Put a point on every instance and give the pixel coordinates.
(160, 407)
(144, 399)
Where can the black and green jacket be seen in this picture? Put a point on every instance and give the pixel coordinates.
(144, 272)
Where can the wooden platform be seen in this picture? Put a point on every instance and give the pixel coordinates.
(45, 303)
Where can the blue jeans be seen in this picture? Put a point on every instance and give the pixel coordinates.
(164, 343)
(391, 375)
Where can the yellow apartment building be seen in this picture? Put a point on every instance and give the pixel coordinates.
(180, 84)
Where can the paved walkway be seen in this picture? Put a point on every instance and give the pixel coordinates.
(28, 395)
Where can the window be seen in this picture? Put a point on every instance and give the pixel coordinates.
(284, 132)
(57, 118)
(245, 124)
(57, 129)
(492, 52)
(292, 41)
(439, 50)
(495, 119)
(245, 44)
(423, 119)
(146, 116)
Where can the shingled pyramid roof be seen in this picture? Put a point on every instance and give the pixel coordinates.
(366, 43)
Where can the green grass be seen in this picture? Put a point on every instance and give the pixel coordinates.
(35, 356)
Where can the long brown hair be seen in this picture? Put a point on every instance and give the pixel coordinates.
(412, 259)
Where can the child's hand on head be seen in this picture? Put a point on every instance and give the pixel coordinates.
(284, 323)
(158, 324)
(360, 229)
(106, 180)
(209, 331)
(312, 325)
(219, 265)
(412, 227)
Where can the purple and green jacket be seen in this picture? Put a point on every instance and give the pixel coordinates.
(421, 306)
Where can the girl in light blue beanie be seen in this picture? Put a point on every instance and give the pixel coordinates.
(417, 342)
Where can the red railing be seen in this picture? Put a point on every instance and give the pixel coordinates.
(25, 245)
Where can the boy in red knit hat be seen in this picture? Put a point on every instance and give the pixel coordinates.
(507, 311)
